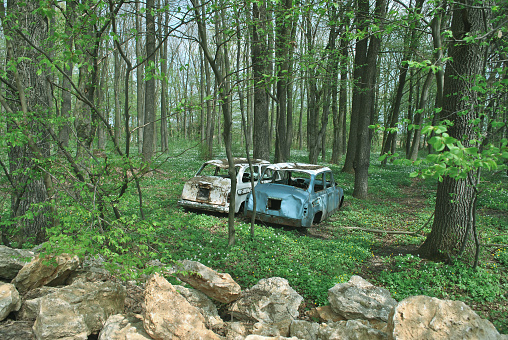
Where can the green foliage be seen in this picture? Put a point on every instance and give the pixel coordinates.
(312, 266)
(412, 275)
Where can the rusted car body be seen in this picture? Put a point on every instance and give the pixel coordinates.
(210, 188)
(295, 194)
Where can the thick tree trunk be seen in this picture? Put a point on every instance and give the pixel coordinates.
(362, 159)
(358, 86)
(455, 197)
(259, 50)
(29, 189)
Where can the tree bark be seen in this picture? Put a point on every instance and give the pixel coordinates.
(28, 186)
(149, 130)
(362, 159)
(454, 197)
(259, 50)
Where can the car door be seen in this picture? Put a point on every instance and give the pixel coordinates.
(331, 193)
(320, 201)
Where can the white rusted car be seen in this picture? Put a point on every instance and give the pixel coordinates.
(210, 188)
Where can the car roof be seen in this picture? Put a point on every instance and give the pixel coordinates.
(223, 163)
(303, 167)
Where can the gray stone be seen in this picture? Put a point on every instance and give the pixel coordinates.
(124, 327)
(359, 299)
(9, 300)
(271, 301)
(30, 305)
(169, 316)
(423, 317)
(51, 271)
(218, 286)
(76, 311)
(204, 305)
(12, 260)
(16, 330)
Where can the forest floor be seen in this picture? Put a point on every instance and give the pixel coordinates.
(387, 246)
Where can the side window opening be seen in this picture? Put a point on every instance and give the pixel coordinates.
(319, 182)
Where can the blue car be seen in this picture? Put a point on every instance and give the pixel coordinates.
(295, 194)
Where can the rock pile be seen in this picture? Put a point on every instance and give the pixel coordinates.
(61, 298)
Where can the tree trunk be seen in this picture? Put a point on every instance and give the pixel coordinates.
(140, 93)
(362, 159)
(259, 50)
(29, 189)
(149, 130)
(455, 196)
(65, 111)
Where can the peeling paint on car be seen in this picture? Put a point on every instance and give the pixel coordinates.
(212, 192)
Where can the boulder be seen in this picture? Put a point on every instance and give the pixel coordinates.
(170, 316)
(350, 330)
(341, 330)
(423, 317)
(237, 330)
(9, 300)
(359, 299)
(270, 301)
(324, 314)
(76, 311)
(218, 286)
(261, 337)
(12, 260)
(16, 330)
(51, 271)
(30, 305)
(304, 330)
(124, 327)
(203, 304)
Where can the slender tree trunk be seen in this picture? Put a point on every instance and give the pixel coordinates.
(149, 130)
(413, 154)
(65, 130)
(140, 89)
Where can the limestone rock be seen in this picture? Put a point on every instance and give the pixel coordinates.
(169, 316)
(350, 330)
(359, 299)
(261, 337)
(50, 271)
(218, 286)
(16, 330)
(304, 330)
(271, 301)
(30, 305)
(9, 300)
(324, 314)
(76, 311)
(58, 319)
(341, 330)
(238, 330)
(124, 327)
(203, 304)
(12, 260)
(423, 317)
